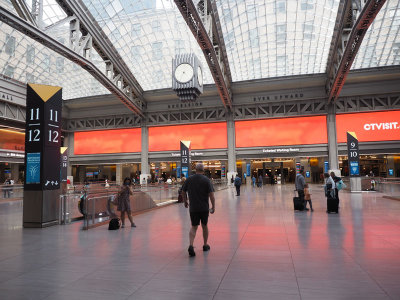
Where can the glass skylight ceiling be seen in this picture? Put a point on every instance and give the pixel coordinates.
(147, 34)
(267, 38)
(25, 60)
(381, 44)
(263, 38)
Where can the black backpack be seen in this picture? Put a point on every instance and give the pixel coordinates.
(114, 224)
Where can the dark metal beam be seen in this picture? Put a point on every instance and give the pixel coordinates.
(354, 19)
(42, 38)
(23, 11)
(103, 45)
(212, 48)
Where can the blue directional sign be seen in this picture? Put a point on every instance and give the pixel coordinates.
(33, 168)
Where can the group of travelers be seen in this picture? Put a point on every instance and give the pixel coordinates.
(333, 184)
(199, 189)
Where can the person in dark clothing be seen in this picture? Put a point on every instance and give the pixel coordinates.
(260, 181)
(336, 179)
(124, 204)
(238, 183)
(300, 183)
(200, 190)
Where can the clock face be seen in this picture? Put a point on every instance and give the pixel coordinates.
(200, 76)
(184, 72)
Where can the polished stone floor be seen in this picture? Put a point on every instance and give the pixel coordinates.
(260, 249)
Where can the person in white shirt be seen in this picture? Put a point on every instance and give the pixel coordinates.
(330, 187)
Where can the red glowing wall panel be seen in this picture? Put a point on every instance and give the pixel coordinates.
(12, 140)
(281, 132)
(202, 136)
(108, 141)
(369, 127)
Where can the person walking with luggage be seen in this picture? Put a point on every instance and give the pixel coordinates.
(300, 183)
(238, 183)
(124, 204)
(331, 200)
(200, 191)
(307, 197)
(260, 181)
(336, 180)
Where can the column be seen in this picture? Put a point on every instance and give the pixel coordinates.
(332, 140)
(15, 172)
(118, 174)
(144, 156)
(231, 148)
(69, 142)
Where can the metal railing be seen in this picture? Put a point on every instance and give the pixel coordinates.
(11, 191)
(97, 204)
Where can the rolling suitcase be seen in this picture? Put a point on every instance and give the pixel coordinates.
(297, 203)
(333, 205)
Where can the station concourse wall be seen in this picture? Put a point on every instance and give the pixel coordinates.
(369, 126)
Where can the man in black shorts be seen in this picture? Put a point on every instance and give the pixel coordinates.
(199, 188)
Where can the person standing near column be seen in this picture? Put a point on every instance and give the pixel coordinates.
(300, 183)
(238, 183)
(200, 190)
(124, 204)
(336, 179)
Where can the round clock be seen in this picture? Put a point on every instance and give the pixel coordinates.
(200, 76)
(184, 72)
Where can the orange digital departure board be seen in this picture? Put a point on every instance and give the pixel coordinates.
(202, 136)
(108, 141)
(369, 126)
(281, 132)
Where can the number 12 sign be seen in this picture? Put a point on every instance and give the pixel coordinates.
(43, 135)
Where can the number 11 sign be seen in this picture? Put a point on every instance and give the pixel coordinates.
(43, 137)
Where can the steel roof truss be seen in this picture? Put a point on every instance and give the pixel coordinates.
(41, 37)
(354, 19)
(93, 36)
(203, 21)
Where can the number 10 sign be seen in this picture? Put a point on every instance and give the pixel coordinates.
(43, 136)
(353, 154)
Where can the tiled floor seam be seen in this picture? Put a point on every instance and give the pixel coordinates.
(155, 274)
(227, 268)
(291, 255)
(369, 275)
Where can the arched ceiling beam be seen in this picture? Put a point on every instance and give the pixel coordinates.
(39, 36)
(204, 23)
(116, 66)
(353, 21)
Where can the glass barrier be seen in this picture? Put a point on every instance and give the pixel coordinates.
(11, 191)
(96, 204)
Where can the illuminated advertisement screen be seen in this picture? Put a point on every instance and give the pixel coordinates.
(12, 140)
(107, 141)
(281, 132)
(369, 127)
(202, 136)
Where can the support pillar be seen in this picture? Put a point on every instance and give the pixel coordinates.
(231, 148)
(144, 156)
(332, 139)
(118, 174)
(15, 172)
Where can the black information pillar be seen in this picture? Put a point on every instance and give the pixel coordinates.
(42, 155)
(353, 154)
(64, 169)
(185, 158)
